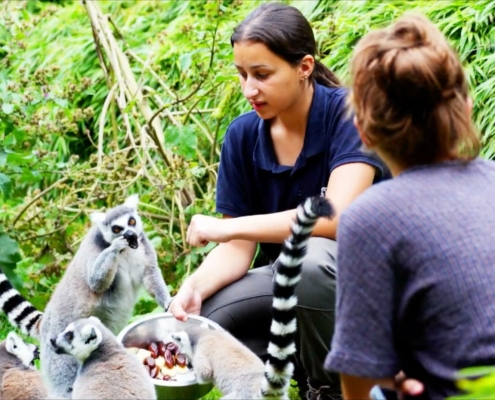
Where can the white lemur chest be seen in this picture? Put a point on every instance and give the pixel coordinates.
(131, 265)
(119, 300)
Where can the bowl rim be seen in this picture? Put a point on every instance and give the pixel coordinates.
(151, 317)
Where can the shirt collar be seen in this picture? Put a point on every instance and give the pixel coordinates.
(264, 154)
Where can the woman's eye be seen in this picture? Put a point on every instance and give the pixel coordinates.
(261, 76)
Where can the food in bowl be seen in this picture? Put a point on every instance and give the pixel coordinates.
(155, 328)
(164, 361)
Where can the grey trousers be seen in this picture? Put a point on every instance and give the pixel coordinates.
(244, 309)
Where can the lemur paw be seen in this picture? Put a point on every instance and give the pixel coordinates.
(120, 243)
(166, 303)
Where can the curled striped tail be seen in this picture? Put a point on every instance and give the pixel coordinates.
(282, 345)
(19, 311)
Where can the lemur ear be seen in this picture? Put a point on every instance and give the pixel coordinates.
(11, 342)
(132, 201)
(96, 319)
(97, 218)
(91, 334)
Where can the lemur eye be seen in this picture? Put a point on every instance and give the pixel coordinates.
(69, 336)
(116, 229)
(132, 222)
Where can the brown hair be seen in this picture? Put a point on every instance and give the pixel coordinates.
(409, 94)
(287, 33)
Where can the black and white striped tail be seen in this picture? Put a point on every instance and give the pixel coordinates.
(19, 311)
(282, 345)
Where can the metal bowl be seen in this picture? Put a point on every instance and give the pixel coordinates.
(152, 328)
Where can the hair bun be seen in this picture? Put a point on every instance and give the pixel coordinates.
(412, 64)
(409, 94)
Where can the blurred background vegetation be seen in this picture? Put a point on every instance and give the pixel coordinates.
(99, 100)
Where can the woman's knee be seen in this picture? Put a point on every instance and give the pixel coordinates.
(236, 306)
(321, 257)
(317, 287)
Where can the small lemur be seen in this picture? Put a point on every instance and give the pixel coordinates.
(235, 370)
(106, 369)
(114, 259)
(19, 379)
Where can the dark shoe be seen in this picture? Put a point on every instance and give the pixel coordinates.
(316, 392)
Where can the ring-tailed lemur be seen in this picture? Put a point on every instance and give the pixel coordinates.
(106, 369)
(19, 379)
(114, 259)
(235, 370)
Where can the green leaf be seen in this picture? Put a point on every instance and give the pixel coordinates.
(7, 108)
(5, 184)
(204, 249)
(181, 141)
(9, 256)
(185, 62)
(3, 157)
(10, 140)
(197, 171)
(63, 103)
(18, 159)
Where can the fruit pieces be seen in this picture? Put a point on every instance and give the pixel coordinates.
(162, 360)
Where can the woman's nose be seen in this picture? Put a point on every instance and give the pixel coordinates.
(250, 90)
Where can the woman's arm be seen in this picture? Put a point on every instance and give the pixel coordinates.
(346, 182)
(223, 265)
(357, 388)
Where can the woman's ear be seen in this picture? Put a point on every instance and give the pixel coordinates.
(469, 105)
(306, 67)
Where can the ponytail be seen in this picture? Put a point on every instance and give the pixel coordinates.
(322, 75)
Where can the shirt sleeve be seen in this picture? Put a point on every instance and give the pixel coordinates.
(363, 342)
(232, 197)
(346, 146)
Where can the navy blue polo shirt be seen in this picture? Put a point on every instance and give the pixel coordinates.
(250, 180)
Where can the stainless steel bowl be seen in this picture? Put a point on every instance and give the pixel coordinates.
(152, 328)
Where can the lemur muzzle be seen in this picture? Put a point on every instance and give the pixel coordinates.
(132, 239)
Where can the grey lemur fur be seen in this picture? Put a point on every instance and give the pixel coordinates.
(106, 370)
(235, 370)
(19, 379)
(103, 280)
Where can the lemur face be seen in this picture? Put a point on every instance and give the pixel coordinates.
(122, 220)
(25, 352)
(183, 341)
(79, 339)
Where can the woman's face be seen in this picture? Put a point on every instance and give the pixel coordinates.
(268, 82)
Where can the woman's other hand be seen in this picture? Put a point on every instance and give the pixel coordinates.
(407, 386)
(186, 301)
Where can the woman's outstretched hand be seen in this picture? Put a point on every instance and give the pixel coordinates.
(204, 229)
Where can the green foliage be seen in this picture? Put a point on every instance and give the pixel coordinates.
(469, 26)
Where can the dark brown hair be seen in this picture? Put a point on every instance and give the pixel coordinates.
(409, 94)
(287, 33)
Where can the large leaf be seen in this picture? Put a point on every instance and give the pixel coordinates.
(9, 256)
(182, 141)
